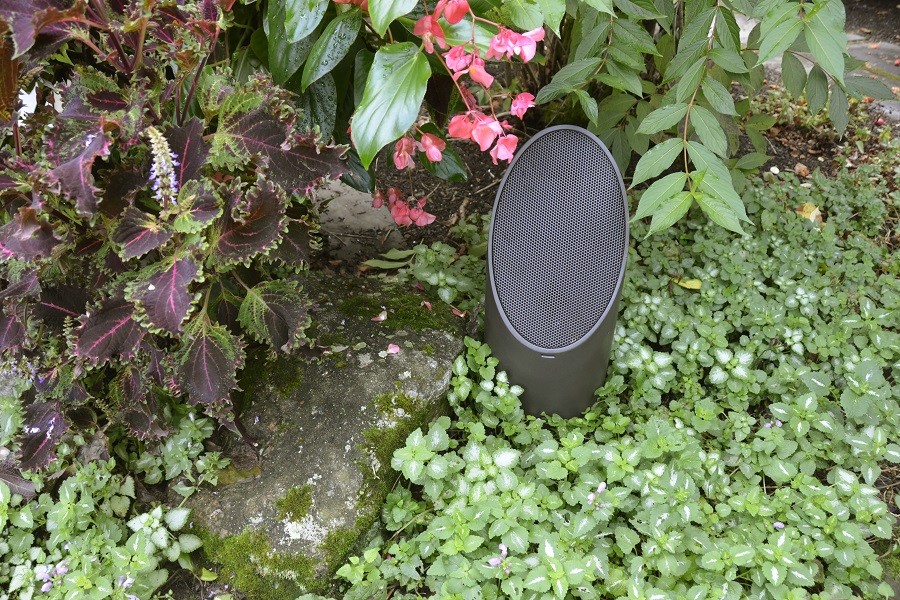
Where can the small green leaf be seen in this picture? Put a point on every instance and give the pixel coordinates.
(718, 97)
(392, 98)
(588, 105)
(691, 79)
(331, 47)
(662, 118)
(661, 190)
(626, 539)
(604, 6)
(177, 517)
(709, 131)
(751, 160)
(383, 12)
(568, 78)
(656, 160)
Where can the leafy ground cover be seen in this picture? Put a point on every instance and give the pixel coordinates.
(744, 446)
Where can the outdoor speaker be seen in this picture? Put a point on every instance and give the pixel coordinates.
(556, 258)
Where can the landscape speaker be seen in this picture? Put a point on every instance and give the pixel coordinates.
(556, 258)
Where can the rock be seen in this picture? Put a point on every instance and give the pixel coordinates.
(326, 430)
(351, 225)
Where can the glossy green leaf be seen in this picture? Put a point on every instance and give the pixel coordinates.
(285, 57)
(332, 46)
(392, 98)
(383, 12)
(658, 193)
(301, 17)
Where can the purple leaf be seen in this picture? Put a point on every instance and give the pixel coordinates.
(138, 233)
(156, 363)
(28, 18)
(44, 426)
(108, 332)
(295, 162)
(252, 226)
(7, 183)
(106, 101)
(276, 312)
(188, 145)
(61, 301)
(12, 477)
(208, 363)
(25, 286)
(164, 298)
(12, 331)
(294, 249)
(139, 409)
(204, 205)
(75, 178)
(26, 237)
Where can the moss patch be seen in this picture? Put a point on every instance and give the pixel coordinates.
(295, 504)
(248, 563)
(405, 311)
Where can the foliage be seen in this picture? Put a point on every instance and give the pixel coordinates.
(154, 222)
(734, 452)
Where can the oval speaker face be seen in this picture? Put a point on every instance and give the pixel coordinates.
(558, 238)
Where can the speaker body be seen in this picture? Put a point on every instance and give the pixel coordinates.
(557, 248)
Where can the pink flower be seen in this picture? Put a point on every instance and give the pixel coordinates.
(400, 213)
(505, 148)
(432, 146)
(521, 103)
(393, 349)
(453, 10)
(377, 199)
(477, 73)
(501, 45)
(403, 153)
(778, 525)
(418, 215)
(486, 131)
(430, 31)
(458, 59)
(461, 127)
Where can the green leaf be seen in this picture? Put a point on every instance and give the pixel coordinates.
(712, 561)
(709, 131)
(285, 56)
(670, 211)
(688, 83)
(332, 46)
(524, 14)
(604, 6)
(300, 17)
(656, 160)
(774, 573)
(729, 60)
(554, 11)
(751, 160)
(538, 579)
(657, 194)
(704, 160)
(378, 263)
(720, 212)
(794, 74)
(662, 118)
(176, 518)
(827, 44)
(461, 34)
(717, 96)
(838, 109)
(319, 106)
(779, 39)
(588, 105)
(392, 98)
(816, 89)
(640, 9)
(741, 555)
(862, 85)
(626, 539)
(571, 76)
(383, 12)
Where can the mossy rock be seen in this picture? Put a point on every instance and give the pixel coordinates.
(326, 430)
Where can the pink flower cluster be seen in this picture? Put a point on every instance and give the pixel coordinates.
(403, 212)
(507, 43)
(430, 144)
(484, 130)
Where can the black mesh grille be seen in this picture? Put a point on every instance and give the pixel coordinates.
(558, 238)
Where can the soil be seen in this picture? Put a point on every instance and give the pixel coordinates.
(876, 19)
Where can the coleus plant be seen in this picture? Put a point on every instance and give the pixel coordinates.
(156, 214)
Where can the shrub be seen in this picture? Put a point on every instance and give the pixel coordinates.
(154, 222)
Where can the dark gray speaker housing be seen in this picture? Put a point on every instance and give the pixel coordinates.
(538, 266)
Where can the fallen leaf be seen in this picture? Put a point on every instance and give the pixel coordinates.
(380, 316)
(691, 284)
(459, 313)
(801, 170)
(810, 212)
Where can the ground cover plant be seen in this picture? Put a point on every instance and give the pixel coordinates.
(738, 449)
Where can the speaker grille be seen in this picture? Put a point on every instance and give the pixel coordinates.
(558, 238)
